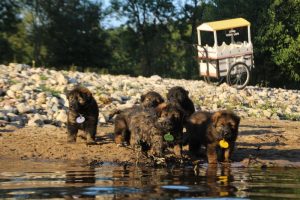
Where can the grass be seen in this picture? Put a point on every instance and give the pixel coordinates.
(43, 77)
(292, 117)
(13, 82)
(50, 90)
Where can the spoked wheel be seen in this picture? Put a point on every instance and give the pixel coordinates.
(214, 81)
(238, 75)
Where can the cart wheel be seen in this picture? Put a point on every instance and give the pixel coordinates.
(238, 75)
(214, 81)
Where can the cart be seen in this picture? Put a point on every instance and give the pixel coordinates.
(225, 51)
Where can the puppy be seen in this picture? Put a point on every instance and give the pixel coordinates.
(216, 131)
(174, 115)
(148, 128)
(151, 99)
(121, 130)
(83, 114)
(178, 95)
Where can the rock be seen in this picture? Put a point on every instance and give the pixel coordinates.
(62, 116)
(35, 77)
(17, 87)
(267, 113)
(41, 99)
(61, 79)
(12, 117)
(36, 120)
(155, 78)
(3, 116)
(102, 119)
(19, 67)
(24, 108)
(9, 109)
(10, 93)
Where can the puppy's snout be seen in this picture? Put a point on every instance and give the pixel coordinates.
(166, 124)
(226, 132)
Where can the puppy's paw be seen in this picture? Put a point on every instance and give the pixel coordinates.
(71, 139)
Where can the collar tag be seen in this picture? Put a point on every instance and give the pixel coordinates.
(223, 144)
(80, 119)
(168, 137)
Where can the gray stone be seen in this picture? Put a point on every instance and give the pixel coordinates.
(3, 116)
(12, 117)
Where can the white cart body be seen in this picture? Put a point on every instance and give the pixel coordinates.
(215, 60)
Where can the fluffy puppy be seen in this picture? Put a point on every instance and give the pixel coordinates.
(174, 115)
(82, 114)
(121, 130)
(151, 99)
(216, 131)
(148, 128)
(146, 132)
(178, 95)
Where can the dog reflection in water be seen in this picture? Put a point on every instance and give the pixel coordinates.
(79, 179)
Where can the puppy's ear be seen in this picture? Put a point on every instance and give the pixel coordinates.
(143, 98)
(215, 117)
(160, 108)
(187, 93)
(86, 94)
(161, 99)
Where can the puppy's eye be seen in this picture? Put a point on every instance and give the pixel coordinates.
(81, 100)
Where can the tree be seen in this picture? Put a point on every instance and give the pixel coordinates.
(8, 26)
(279, 42)
(73, 35)
(148, 21)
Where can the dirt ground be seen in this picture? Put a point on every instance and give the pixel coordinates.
(262, 143)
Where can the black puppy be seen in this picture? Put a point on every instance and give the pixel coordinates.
(83, 114)
(178, 95)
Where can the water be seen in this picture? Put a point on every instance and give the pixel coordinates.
(48, 180)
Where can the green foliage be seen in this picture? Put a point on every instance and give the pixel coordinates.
(280, 41)
(53, 92)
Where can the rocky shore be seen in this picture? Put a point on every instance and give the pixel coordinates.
(36, 96)
(33, 109)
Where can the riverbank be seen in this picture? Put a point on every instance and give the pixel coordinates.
(261, 143)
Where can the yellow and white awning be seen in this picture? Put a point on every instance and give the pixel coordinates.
(223, 24)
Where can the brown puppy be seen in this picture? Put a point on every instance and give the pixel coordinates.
(148, 128)
(151, 99)
(174, 115)
(83, 114)
(121, 130)
(178, 95)
(209, 129)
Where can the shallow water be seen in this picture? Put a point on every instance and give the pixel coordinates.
(45, 180)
